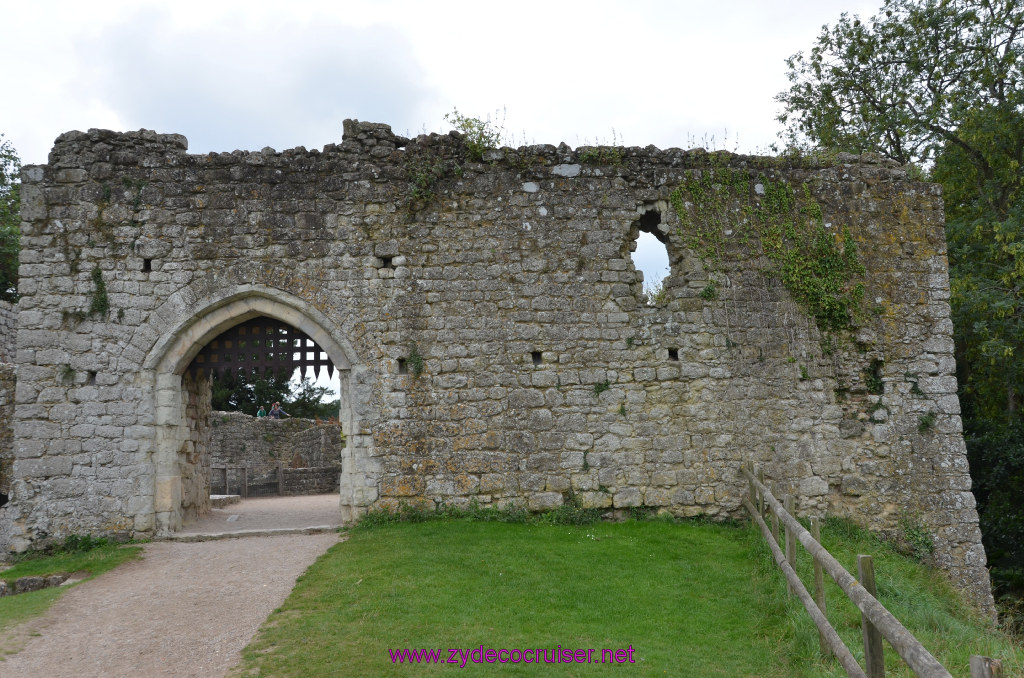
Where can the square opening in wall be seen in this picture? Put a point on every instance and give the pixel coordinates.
(147, 265)
(386, 262)
(537, 357)
(673, 354)
(403, 366)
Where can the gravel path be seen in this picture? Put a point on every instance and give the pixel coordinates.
(185, 609)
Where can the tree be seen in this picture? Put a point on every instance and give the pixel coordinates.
(10, 220)
(938, 83)
(242, 392)
(903, 83)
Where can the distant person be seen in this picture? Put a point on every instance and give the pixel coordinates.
(260, 413)
(276, 411)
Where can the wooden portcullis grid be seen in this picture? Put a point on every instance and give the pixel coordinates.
(262, 345)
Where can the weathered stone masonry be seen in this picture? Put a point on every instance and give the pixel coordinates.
(487, 321)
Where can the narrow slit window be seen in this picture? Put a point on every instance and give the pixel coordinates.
(403, 366)
(673, 354)
(147, 265)
(538, 358)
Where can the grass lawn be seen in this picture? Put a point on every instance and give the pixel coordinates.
(920, 597)
(690, 599)
(680, 595)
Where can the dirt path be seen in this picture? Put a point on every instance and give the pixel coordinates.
(185, 609)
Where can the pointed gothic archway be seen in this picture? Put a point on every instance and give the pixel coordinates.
(181, 488)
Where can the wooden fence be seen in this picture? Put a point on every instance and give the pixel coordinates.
(876, 621)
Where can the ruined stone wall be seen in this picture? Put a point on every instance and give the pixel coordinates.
(238, 439)
(8, 331)
(6, 428)
(496, 343)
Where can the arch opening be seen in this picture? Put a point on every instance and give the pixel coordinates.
(182, 363)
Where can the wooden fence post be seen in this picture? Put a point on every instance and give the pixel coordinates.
(819, 584)
(760, 507)
(873, 659)
(752, 490)
(983, 667)
(790, 537)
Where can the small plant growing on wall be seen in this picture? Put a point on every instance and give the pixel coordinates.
(100, 303)
(415, 361)
(873, 378)
(480, 135)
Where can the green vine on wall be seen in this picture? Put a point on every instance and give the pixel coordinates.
(817, 263)
(100, 303)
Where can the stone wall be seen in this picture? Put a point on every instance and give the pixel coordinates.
(490, 329)
(261, 444)
(6, 429)
(8, 331)
(321, 480)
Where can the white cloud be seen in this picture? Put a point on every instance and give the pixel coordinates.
(232, 74)
(228, 86)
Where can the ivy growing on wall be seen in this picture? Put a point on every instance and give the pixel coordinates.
(100, 303)
(784, 226)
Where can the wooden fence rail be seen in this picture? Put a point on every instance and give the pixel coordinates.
(875, 618)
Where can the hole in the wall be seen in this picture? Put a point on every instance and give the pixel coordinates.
(90, 378)
(673, 354)
(147, 265)
(387, 262)
(403, 366)
(537, 357)
(650, 255)
(3, 499)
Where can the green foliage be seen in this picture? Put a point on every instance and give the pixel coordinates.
(10, 220)
(241, 392)
(919, 596)
(873, 378)
(601, 155)
(571, 512)
(926, 422)
(817, 264)
(428, 168)
(903, 82)
(939, 84)
(709, 292)
(915, 540)
(79, 543)
(415, 362)
(655, 293)
(100, 302)
(996, 455)
(458, 583)
(479, 135)
(601, 387)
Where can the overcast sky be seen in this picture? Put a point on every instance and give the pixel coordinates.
(251, 74)
(245, 75)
